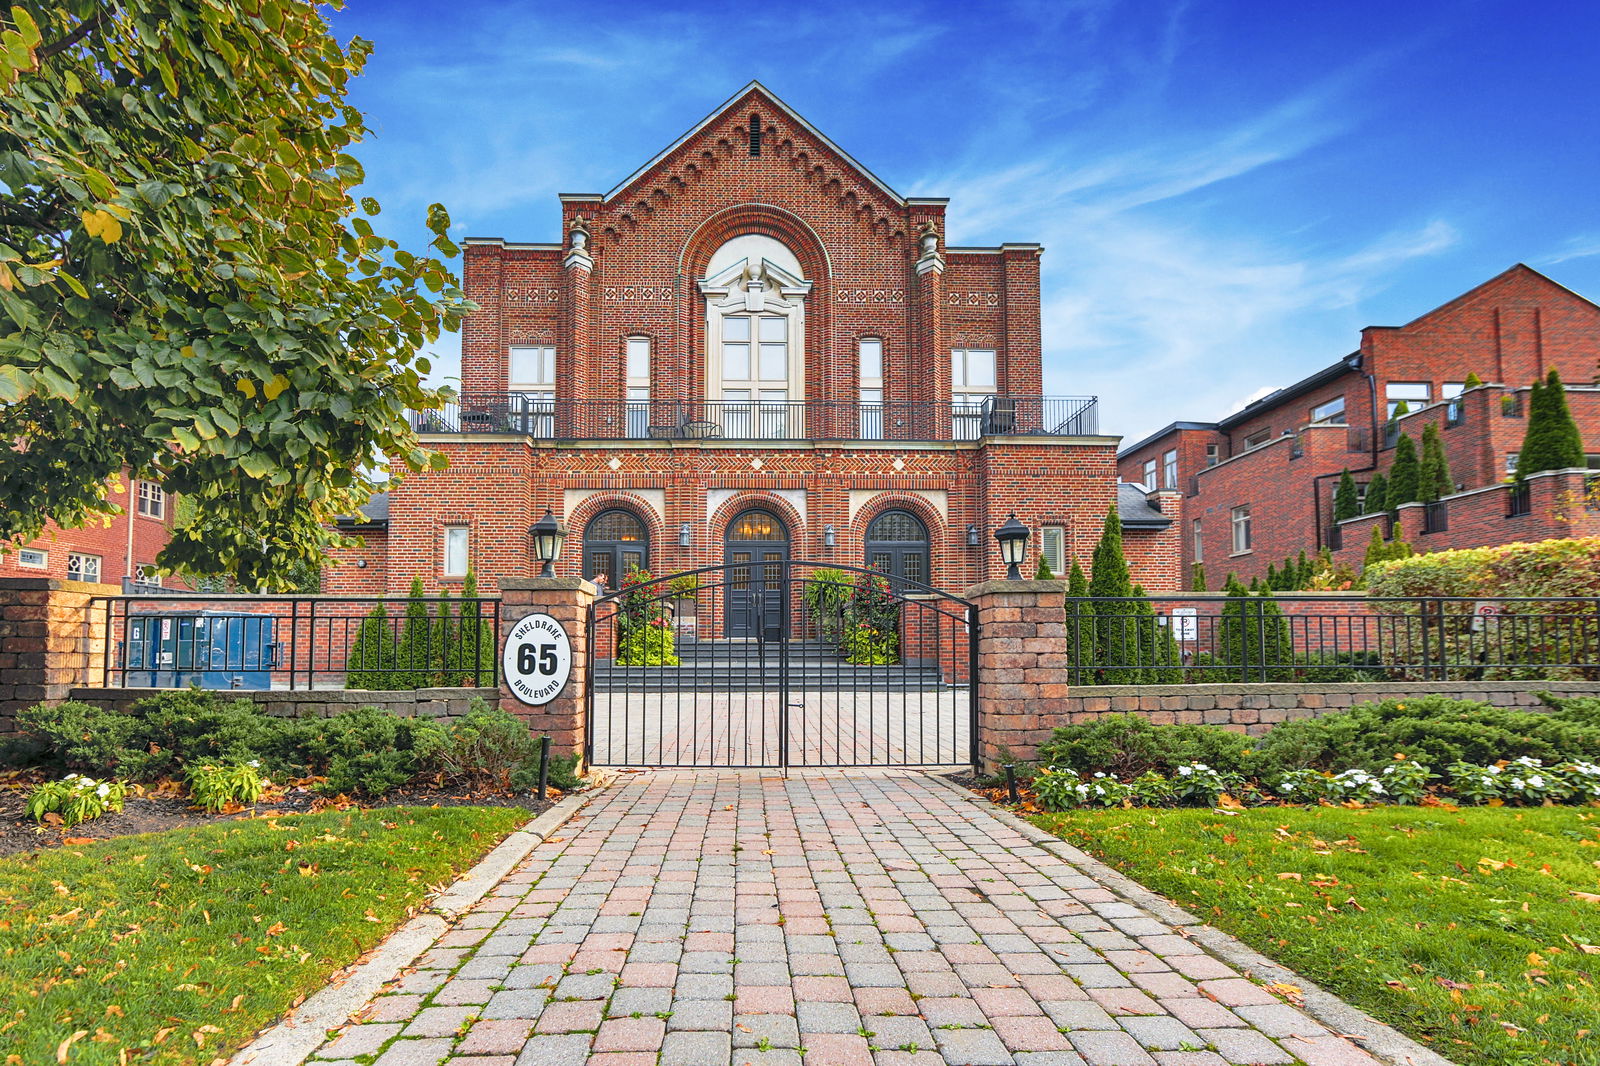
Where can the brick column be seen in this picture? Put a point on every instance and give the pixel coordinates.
(46, 643)
(1022, 666)
(567, 600)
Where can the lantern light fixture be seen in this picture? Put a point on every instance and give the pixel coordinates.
(829, 537)
(685, 535)
(1013, 538)
(547, 538)
(974, 538)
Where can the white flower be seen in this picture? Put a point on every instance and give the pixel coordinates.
(1536, 781)
(1185, 771)
(254, 762)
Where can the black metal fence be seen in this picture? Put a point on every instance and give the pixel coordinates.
(176, 639)
(540, 416)
(1325, 638)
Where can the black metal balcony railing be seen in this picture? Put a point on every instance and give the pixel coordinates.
(533, 415)
(1436, 517)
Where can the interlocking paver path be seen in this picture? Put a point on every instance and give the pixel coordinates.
(868, 918)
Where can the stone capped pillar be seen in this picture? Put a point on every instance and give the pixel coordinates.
(48, 641)
(1022, 667)
(567, 600)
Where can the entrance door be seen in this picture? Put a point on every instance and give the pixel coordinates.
(757, 548)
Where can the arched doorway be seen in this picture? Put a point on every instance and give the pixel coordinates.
(757, 546)
(614, 542)
(897, 545)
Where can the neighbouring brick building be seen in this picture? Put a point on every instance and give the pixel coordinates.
(124, 548)
(1258, 485)
(753, 348)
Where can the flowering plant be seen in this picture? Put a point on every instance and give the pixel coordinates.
(1202, 784)
(1528, 780)
(1058, 790)
(1353, 786)
(1583, 780)
(1405, 781)
(75, 799)
(865, 645)
(1476, 784)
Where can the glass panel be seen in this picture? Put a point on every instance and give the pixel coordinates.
(774, 329)
(739, 578)
(980, 370)
(634, 561)
(736, 329)
(455, 550)
(736, 362)
(914, 568)
(880, 561)
(871, 359)
(774, 362)
(897, 526)
(638, 357)
(757, 525)
(599, 568)
(615, 525)
(638, 412)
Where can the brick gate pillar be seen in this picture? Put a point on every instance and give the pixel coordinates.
(1022, 666)
(47, 645)
(567, 600)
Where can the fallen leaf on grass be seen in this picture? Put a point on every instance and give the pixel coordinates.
(1290, 877)
(66, 1045)
(1589, 949)
(76, 841)
(1588, 897)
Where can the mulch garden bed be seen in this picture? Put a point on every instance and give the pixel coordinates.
(164, 807)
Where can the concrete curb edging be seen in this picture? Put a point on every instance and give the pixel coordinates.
(1373, 1036)
(304, 1029)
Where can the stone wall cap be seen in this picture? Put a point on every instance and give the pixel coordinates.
(1359, 688)
(548, 584)
(989, 588)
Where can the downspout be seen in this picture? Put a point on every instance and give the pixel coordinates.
(128, 512)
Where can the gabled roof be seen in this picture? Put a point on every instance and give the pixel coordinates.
(1135, 511)
(374, 514)
(1512, 270)
(772, 101)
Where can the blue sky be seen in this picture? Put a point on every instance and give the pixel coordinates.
(1226, 191)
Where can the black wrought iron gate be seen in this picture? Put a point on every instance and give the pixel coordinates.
(842, 669)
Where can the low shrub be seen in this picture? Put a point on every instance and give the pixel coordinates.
(649, 644)
(1127, 745)
(217, 786)
(865, 645)
(76, 736)
(488, 748)
(188, 726)
(367, 751)
(1433, 730)
(75, 799)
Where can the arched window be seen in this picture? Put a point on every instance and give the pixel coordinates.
(755, 339)
(614, 542)
(897, 545)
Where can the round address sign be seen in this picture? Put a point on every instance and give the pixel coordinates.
(537, 659)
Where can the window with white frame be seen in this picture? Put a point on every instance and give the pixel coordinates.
(972, 384)
(152, 500)
(1213, 455)
(1241, 530)
(1053, 546)
(147, 574)
(82, 567)
(755, 338)
(1511, 462)
(531, 371)
(1199, 543)
(1330, 413)
(637, 359)
(871, 353)
(1258, 438)
(1451, 389)
(33, 557)
(1169, 469)
(1414, 394)
(1148, 474)
(455, 551)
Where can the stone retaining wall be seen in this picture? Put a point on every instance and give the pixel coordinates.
(1244, 708)
(445, 704)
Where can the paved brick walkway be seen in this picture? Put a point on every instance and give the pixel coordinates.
(867, 918)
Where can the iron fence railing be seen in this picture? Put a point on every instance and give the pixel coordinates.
(178, 640)
(538, 415)
(1329, 638)
(1436, 517)
(1519, 500)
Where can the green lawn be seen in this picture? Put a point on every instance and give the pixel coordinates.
(179, 946)
(1475, 931)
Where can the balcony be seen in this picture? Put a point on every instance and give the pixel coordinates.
(537, 416)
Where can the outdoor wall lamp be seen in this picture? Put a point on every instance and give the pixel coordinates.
(973, 536)
(1013, 538)
(829, 537)
(685, 535)
(547, 538)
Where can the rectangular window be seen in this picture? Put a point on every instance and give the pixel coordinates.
(1329, 414)
(1213, 455)
(455, 551)
(871, 354)
(638, 370)
(81, 567)
(1199, 543)
(1148, 477)
(1053, 546)
(1258, 438)
(152, 500)
(972, 384)
(146, 574)
(1169, 469)
(1452, 389)
(33, 557)
(1241, 530)
(1414, 394)
(1511, 462)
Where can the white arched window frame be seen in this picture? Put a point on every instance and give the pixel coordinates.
(755, 340)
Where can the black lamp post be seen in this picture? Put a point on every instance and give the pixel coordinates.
(547, 538)
(1013, 538)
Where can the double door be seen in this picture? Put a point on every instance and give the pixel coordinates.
(756, 593)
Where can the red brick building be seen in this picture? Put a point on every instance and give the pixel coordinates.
(752, 347)
(1258, 485)
(126, 547)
